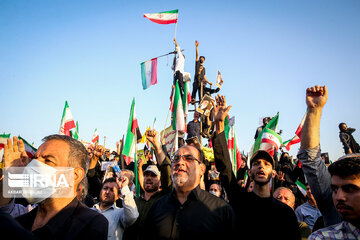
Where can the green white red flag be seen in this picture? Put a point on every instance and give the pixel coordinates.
(166, 17)
(29, 149)
(233, 147)
(67, 121)
(129, 150)
(178, 111)
(3, 141)
(95, 138)
(76, 132)
(149, 73)
(301, 187)
(297, 138)
(268, 139)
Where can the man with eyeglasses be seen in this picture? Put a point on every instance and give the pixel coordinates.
(189, 212)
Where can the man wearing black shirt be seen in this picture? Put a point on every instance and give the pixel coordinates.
(58, 218)
(258, 212)
(189, 212)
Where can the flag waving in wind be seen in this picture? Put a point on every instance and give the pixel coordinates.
(67, 121)
(95, 137)
(178, 111)
(149, 73)
(297, 138)
(163, 17)
(129, 150)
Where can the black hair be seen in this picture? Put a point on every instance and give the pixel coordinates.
(202, 57)
(109, 180)
(340, 124)
(346, 166)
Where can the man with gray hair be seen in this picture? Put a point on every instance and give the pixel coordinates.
(61, 217)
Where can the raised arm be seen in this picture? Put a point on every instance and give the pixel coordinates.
(197, 50)
(141, 173)
(314, 168)
(153, 137)
(130, 213)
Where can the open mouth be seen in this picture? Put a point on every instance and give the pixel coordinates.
(261, 173)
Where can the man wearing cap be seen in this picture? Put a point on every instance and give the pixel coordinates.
(189, 212)
(151, 182)
(258, 212)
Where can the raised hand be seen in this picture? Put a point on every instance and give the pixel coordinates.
(316, 97)
(14, 153)
(124, 181)
(99, 151)
(152, 136)
(220, 110)
(196, 43)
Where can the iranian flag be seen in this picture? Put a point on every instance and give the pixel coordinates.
(76, 133)
(67, 121)
(301, 187)
(163, 17)
(129, 150)
(149, 73)
(234, 151)
(270, 140)
(297, 138)
(178, 111)
(3, 141)
(186, 98)
(29, 149)
(95, 137)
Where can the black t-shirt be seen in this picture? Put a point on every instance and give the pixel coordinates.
(199, 77)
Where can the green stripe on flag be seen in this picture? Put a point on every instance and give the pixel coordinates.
(172, 11)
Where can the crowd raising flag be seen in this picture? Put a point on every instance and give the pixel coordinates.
(297, 138)
(149, 73)
(268, 140)
(166, 17)
(29, 149)
(95, 137)
(129, 150)
(67, 121)
(178, 110)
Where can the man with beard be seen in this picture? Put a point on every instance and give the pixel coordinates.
(337, 188)
(152, 181)
(119, 218)
(258, 212)
(347, 139)
(57, 218)
(189, 212)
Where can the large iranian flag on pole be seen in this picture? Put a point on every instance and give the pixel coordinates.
(270, 141)
(178, 111)
(166, 17)
(129, 150)
(29, 149)
(67, 121)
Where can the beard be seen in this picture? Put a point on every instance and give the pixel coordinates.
(152, 188)
(261, 183)
(179, 181)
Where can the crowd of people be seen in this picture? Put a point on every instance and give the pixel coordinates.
(187, 196)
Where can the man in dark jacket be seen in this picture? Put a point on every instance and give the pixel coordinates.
(347, 139)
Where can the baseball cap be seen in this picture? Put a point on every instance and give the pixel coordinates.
(263, 155)
(153, 169)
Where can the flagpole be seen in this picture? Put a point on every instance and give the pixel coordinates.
(175, 28)
(174, 52)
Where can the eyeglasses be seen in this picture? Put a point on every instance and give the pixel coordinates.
(187, 158)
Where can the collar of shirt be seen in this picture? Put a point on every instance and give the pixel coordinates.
(54, 225)
(97, 208)
(348, 227)
(193, 195)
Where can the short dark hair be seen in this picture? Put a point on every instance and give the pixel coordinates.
(340, 124)
(78, 155)
(346, 166)
(202, 57)
(109, 180)
(201, 153)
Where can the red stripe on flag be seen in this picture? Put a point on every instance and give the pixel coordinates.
(134, 126)
(266, 140)
(161, 21)
(128, 160)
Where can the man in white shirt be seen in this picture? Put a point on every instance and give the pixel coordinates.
(119, 218)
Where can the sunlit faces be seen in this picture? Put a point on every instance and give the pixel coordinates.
(109, 193)
(215, 189)
(261, 171)
(185, 172)
(54, 153)
(346, 197)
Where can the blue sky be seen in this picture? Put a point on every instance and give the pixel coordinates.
(89, 53)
